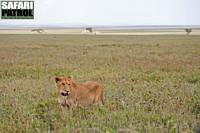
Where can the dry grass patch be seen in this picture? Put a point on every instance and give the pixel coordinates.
(152, 83)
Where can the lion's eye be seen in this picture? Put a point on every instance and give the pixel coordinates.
(63, 83)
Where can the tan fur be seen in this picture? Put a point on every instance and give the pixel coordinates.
(81, 95)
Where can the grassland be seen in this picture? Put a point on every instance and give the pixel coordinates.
(152, 83)
(105, 31)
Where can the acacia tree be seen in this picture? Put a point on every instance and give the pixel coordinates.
(38, 30)
(89, 29)
(188, 31)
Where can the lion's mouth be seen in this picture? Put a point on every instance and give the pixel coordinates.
(65, 93)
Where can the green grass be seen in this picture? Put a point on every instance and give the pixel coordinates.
(152, 83)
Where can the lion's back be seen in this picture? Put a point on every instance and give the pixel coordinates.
(89, 92)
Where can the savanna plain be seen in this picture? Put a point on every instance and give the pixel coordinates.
(151, 83)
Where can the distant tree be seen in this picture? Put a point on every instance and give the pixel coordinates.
(38, 30)
(188, 31)
(89, 29)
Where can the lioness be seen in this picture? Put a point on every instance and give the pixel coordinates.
(83, 95)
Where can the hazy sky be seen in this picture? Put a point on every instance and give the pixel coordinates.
(114, 12)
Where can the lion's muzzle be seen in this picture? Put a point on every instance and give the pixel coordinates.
(65, 93)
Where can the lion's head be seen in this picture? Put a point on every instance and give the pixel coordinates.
(64, 85)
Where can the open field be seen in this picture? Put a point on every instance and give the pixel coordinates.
(152, 83)
(105, 31)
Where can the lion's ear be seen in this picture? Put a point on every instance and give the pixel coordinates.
(70, 77)
(57, 79)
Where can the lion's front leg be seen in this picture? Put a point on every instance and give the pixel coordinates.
(70, 106)
(67, 110)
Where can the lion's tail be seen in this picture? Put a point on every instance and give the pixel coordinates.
(102, 99)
